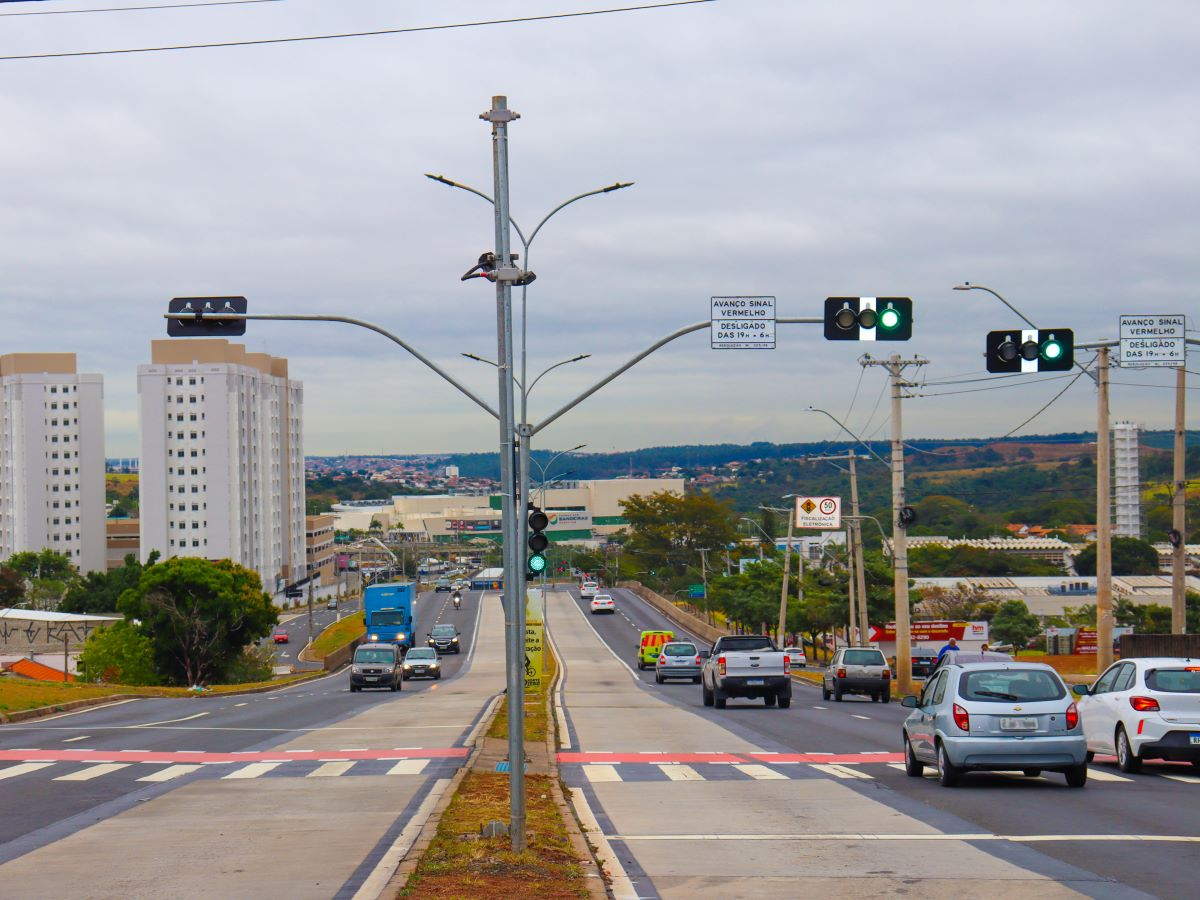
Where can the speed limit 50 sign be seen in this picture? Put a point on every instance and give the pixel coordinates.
(819, 512)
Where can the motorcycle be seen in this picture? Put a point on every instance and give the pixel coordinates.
(458, 601)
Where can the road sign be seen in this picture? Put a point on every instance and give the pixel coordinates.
(534, 633)
(1156, 340)
(695, 592)
(819, 512)
(742, 323)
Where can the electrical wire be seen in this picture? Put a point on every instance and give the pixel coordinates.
(354, 34)
(76, 12)
(1067, 387)
(997, 387)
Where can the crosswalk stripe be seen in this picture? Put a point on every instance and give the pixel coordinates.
(254, 770)
(22, 769)
(840, 771)
(1101, 775)
(408, 767)
(601, 772)
(679, 772)
(330, 769)
(92, 772)
(899, 767)
(1186, 779)
(169, 773)
(760, 773)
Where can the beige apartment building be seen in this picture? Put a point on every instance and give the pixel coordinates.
(51, 459)
(318, 547)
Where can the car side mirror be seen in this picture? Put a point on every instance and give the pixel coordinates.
(1080, 690)
(909, 702)
(705, 654)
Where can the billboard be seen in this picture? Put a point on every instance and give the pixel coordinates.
(569, 520)
(933, 631)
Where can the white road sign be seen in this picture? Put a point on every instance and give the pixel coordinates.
(819, 512)
(743, 323)
(1156, 340)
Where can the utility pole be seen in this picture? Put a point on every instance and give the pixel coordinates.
(1178, 512)
(855, 546)
(514, 608)
(704, 580)
(895, 366)
(851, 590)
(310, 608)
(1104, 617)
(787, 568)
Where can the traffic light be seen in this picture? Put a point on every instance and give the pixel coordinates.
(1041, 350)
(538, 542)
(868, 318)
(202, 307)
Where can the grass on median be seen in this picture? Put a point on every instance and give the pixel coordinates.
(338, 635)
(18, 694)
(537, 724)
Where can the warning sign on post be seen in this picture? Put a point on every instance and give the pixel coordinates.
(534, 633)
(819, 512)
(1153, 340)
(743, 323)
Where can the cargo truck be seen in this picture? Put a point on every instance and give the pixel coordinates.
(390, 613)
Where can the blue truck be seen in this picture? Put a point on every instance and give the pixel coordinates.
(390, 613)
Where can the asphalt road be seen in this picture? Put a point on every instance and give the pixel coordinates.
(51, 806)
(295, 623)
(1160, 801)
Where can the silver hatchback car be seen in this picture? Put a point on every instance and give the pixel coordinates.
(678, 659)
(997, 716)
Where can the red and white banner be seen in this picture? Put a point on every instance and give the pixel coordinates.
(932, 631)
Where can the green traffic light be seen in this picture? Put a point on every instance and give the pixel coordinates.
(889, 319)
(1051, 351)
(537, 563)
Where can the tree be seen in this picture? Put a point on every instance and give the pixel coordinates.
(45, 565)
(119, 654)
(1130, 556)
(666, 530)
(99, 592)
(963, 601)
(12, 586)
(1015, 624)
(200, 615)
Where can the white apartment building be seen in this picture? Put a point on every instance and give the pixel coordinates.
(51, 459)
(222, 458)
(1127, 482)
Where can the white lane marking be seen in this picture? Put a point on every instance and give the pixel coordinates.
(679, 772)
(377, 881)
(169, 773)
(1101, 775)
(861, 836)
(82, 737)
(820, 707)
(254, 770)
(604, 644)
(93, 772)
(857, 716)
(76, 712)
(331, 770)
(1186, 779)
(22, 769)
(898, 766)
(601, 772)
(759, 773)
(168, 721)
(620, 885)
(408, 767)
(840, 771)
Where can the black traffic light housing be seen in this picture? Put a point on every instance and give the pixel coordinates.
(868, 318)
(538, 521)
(1030, 350)
(201, 308)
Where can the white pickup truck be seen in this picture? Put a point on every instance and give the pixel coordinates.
(746, 665)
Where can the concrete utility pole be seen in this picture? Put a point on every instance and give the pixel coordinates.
(895, 366)
(1104, 616)
(1178, 511)
(858, 573)
(787, 569)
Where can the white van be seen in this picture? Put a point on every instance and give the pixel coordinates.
(588, 589)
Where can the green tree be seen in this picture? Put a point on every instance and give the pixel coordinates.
(1130, 556)
(45, 565)
(666, 530)
(119, 654)
(99, 592)
(12, 586)
(1015, 624)
(200, 614)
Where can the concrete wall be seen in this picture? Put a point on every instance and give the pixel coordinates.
(680, 617)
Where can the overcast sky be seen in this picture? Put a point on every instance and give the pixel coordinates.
(779, 147)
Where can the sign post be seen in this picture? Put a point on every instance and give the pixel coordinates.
(742, 323)
(1156, 340)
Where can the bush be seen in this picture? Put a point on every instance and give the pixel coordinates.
(119, 654)
(255, 664)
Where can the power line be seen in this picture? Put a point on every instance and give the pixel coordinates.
(1067, 387)
(355, 34)
(76, 12)
(995, 387)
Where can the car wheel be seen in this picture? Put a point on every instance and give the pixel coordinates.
(770, 699)
(1126, 759)
(824, 692)
(837, 694)
(696, 680)
(708, 697)
(394, 687)
(658, 679)
(438, 677)
(1031, 773)
(718, 699)
(912, 767)
(948, 774)
(353, 689)
(885, 697)
(1076, 776)
(1090, 756)
(785, 702)
(640, 666)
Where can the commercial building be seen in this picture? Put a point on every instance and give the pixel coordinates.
(318, 548)
(51, 459)
(222, 459)
(1053, 596)
(123, 536)
(1051, 549)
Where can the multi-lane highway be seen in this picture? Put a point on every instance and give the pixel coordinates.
(299, 792)
(1121, 835)
(295, 623)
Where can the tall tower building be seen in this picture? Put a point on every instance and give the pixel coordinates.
(51, 459)
(1127, 488)
(222, 459)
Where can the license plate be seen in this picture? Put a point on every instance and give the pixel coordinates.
(754, 681)
(1195, 738)
(372, 678)
(1018, 723)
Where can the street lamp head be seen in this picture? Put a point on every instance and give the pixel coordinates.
(965, 286)
(441, 178)
(617, 186)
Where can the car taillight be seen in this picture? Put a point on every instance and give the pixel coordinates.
(841, 673)
(662, 659)
(1072, 716)
(961, 718)
(887, 673)
(697, 659)
(721, 664)
(787, 665)
(1144, 704)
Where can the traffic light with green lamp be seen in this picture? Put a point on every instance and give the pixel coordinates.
(538, 542)
(1030, 350)
(868, 318)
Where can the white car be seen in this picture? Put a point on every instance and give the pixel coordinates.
(797, 657)
(588, 590)
(1141, 709)
(603, 603)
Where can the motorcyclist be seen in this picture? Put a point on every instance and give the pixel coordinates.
(457, 600)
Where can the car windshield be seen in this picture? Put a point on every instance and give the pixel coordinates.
(1010, 685)
(863, 658)
(374, 656)
(444, 631)
(388, 618)
(1174, 681)
(420, 653)
(679, 650)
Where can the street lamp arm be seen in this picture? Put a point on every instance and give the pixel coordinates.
(604, 190)
(839, 424)
(967, 286)
(442, 179)
(887, 543)
(492, 364)
(233, 317)
(555, 366)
